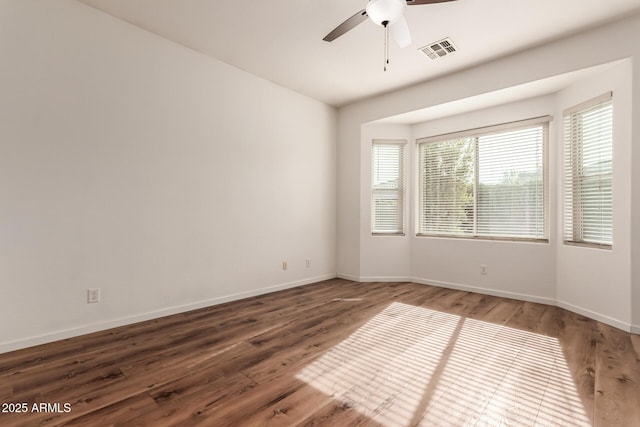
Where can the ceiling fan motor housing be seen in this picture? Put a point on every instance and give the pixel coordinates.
(385, 12)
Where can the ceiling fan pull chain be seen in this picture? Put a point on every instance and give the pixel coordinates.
(386, 44)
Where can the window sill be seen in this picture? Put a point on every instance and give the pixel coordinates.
(487, 238)
(589, 245)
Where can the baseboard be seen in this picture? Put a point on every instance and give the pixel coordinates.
(385, 279)
(367, 279)
(349, 277)
(616, 323)
(635, 329)
(486, 291)
(8, 346)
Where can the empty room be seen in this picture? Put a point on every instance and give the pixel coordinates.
(320, 213)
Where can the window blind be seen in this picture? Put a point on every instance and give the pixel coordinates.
(387, 187)
(510, 191)
(588, 169)
(485, 183)
(446, 182)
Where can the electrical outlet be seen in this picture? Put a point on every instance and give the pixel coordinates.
(483, 269)
(308, 263)
(93, 295)
(284, 265)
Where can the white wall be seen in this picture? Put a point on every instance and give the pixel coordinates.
(634, 203)
(592, 281)
(520, 269)
(385, 258)
(165, 178)
(529, 270)
(348, 203)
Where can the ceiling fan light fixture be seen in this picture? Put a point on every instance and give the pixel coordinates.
(384, 12)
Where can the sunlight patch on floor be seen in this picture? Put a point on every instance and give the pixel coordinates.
(415, 366)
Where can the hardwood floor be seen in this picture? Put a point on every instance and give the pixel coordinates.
(336, 353)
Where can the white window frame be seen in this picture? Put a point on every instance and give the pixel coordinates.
(400, 189)
(475, 133)
(573, 171)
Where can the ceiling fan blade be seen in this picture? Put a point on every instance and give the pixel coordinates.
(347, 25)
(399, 31)
(417, 2)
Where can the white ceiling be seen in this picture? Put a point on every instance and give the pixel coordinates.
(281, 40)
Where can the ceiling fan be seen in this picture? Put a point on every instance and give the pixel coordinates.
(386, 13)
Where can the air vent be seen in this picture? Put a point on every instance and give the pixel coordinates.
(439, 49)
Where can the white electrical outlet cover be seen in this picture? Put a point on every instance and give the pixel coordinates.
(93, 295)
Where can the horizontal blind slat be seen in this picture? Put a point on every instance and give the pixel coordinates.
(387, 182)
(588, 167)
(488, 185)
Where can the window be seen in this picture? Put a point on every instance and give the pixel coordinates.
(487, 183)
(588, 156)
(387, 194)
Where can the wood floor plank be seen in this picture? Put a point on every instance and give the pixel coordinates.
(617, 379)
(261, 401)
(471, 375)
(491, 313)
(495, 310)
(284, 410)
(520, 395)
(578, 339)
(341, 318)
(36, 356)
(315, 342)
(6, 393)
(635, 343)
(193, 406)
(114, 414)
(528, 316)
(338, 413)
(338, 353)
